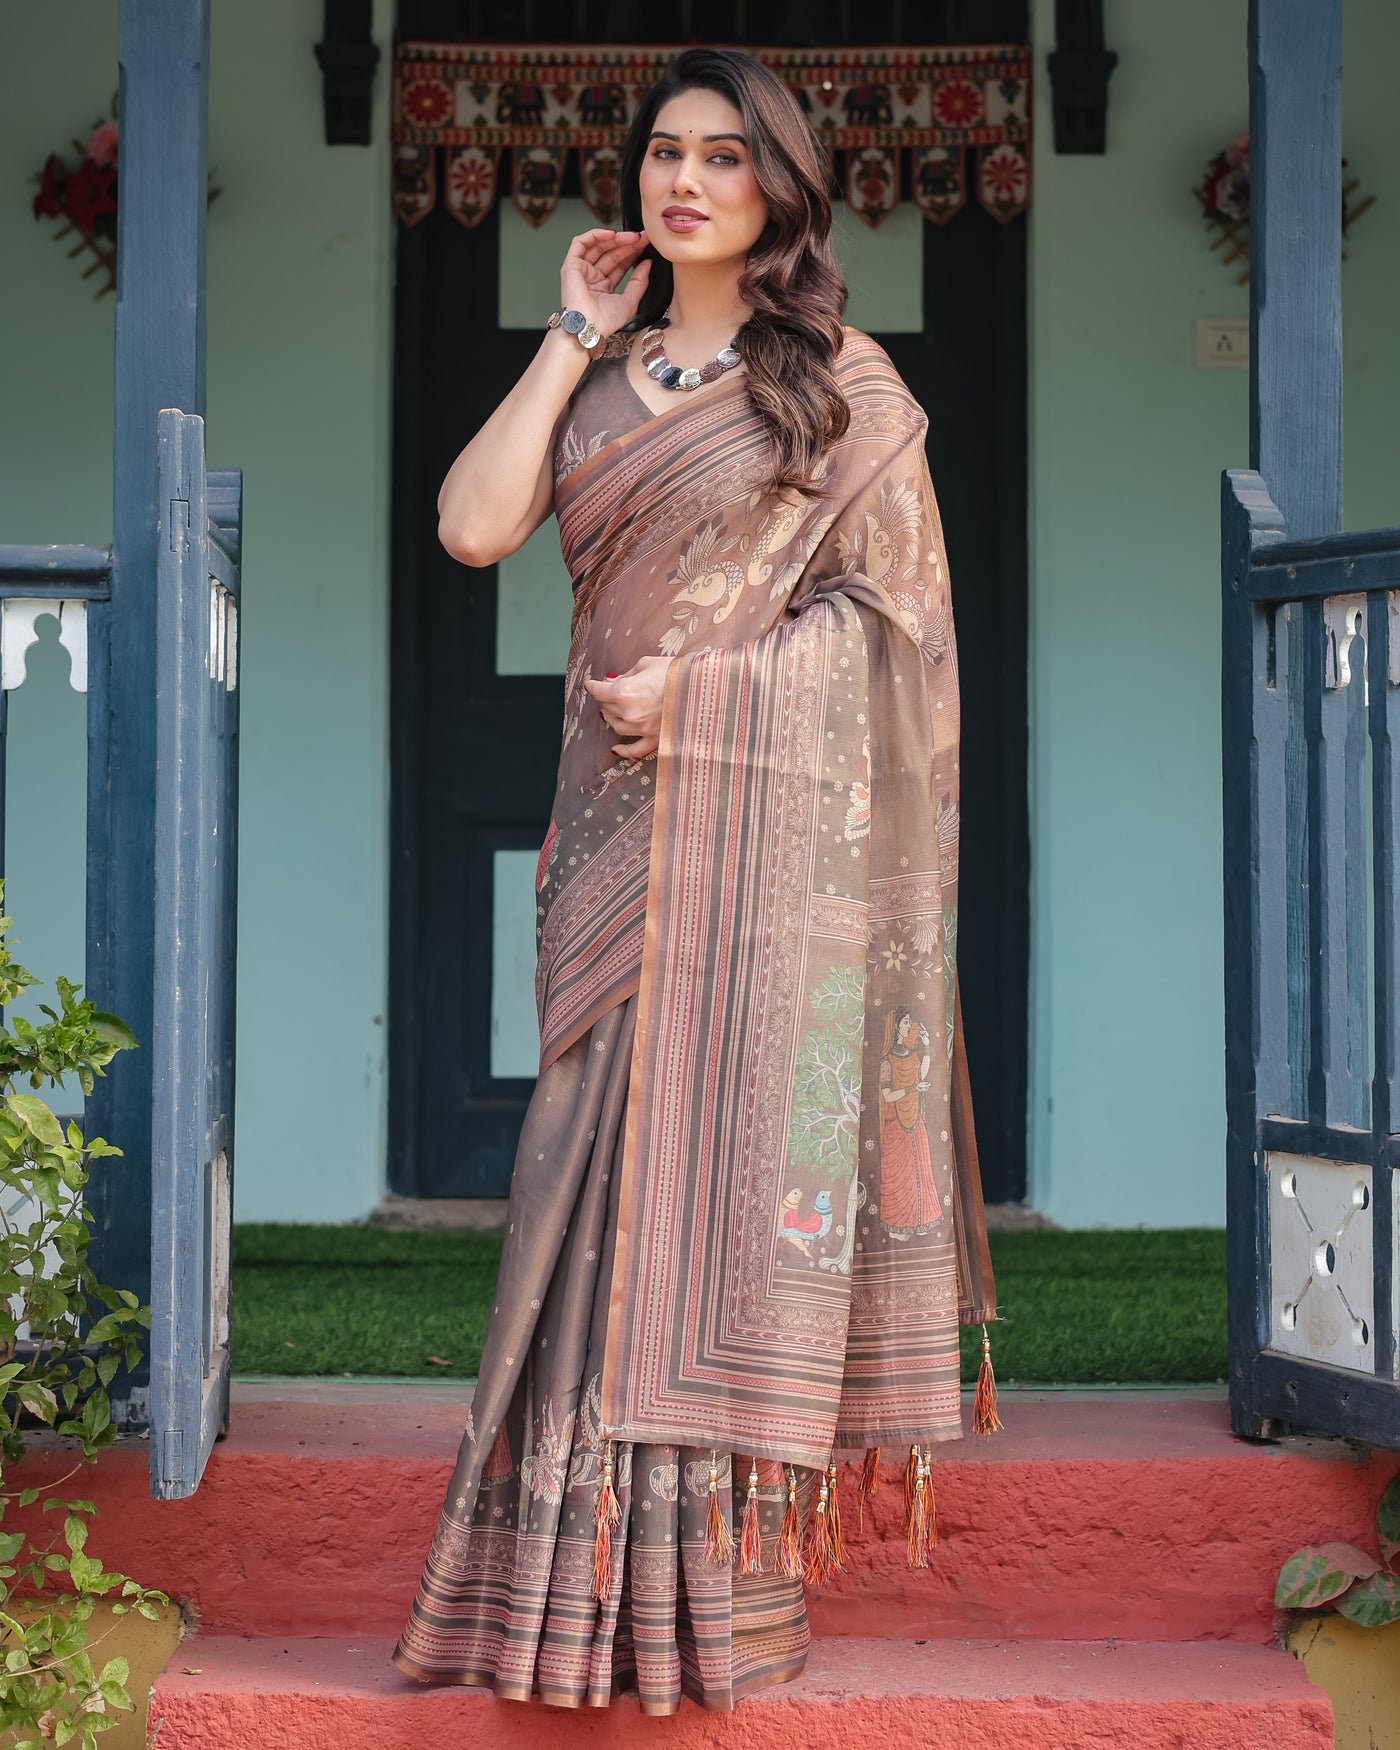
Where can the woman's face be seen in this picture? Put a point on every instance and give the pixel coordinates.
(701, 202)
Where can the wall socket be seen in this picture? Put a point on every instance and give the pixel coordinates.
(1222, 342)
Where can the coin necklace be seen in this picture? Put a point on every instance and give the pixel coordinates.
(657, 365)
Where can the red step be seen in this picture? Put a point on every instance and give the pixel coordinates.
(1032, 1695)
(1133, 1515)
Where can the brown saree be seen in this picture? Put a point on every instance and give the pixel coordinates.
(745, 1220)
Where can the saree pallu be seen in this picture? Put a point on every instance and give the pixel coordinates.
(746, 1219)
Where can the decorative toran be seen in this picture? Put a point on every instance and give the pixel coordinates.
(882, 109)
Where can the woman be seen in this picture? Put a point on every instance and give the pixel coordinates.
(752, 859)
(909, 1200)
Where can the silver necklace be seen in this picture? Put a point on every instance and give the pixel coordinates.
(669, 376)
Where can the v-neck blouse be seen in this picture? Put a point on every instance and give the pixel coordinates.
(606, 407)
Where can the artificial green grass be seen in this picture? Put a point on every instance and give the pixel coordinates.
(1107, 1306)
(1089, 1307)
(335, 1300)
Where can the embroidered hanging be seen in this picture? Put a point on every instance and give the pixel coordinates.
(895, 116)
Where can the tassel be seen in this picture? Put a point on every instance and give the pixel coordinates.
(750, 1536)
(917, 1553)
(910, 1485)
(719, 1540)
(930, 1511)
(984, 1403)
(835, 1541)
(870, 1473)
(869, 1483)
(821, 1562)
(607, 1515)
(789, 1562)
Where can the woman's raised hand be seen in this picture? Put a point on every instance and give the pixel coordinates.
(595, 263)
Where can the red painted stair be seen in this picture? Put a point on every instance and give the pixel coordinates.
(1029, 1695)
(1109, 1551)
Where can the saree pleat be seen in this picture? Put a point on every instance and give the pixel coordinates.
(745, 1217)
(506, 1599)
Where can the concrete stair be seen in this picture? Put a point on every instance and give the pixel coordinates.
(1105, 1574)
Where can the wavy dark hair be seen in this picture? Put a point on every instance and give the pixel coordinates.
(792, 283)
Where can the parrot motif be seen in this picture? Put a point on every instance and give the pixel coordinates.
(803, 1231)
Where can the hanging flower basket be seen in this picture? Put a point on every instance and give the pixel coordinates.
(1224, 196)
(84, 197)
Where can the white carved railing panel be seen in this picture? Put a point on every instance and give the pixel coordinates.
(18, 631)
(1321, 1265)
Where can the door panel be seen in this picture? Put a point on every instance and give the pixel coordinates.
(196, 908)
(477, 658)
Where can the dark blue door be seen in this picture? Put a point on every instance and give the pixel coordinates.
(196, 909)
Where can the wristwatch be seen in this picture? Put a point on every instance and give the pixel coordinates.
(576, 323)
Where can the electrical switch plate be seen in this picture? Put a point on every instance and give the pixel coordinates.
(1222, 342)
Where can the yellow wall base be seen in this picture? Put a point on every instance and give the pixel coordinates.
(1360, 1670)
(147, 1648)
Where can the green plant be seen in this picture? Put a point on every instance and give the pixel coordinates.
(79, 1333)
(1340, 1577)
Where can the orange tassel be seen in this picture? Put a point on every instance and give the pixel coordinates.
(833, 1523)
(719, 1540)
(869, 1480)
(930, 1511)
(789, 1562)
(607, 1516)
(917, 1553)
(750, 1536)
(910, 1485)
(870, 1472)
(821, 1562)
(984, 1403)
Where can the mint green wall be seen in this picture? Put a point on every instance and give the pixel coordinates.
(55, 457)
(1128, 440)
(299, 355)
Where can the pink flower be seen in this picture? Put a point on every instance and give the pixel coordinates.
(102, 147)
(1237, 152)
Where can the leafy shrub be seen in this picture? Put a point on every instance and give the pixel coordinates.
(79, 1333)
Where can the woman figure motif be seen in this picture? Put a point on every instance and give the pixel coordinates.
(909, 1200)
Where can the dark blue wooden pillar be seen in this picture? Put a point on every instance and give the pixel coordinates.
(1295, 285)
(163, 51)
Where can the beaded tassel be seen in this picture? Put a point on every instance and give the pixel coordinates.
(607, 1515)
(930, 1512)
(910, 1481)
(918, 1513)
(750, 1536)
(719, 1540)
(821, 1564)
(984, 1403)
(833, 1521)
(789, 1562)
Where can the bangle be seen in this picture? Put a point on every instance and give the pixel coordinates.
(576, 323)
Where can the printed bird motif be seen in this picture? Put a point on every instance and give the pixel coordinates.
(803, 1230)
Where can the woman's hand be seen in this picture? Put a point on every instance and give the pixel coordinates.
(631, 704)
(595, 263)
